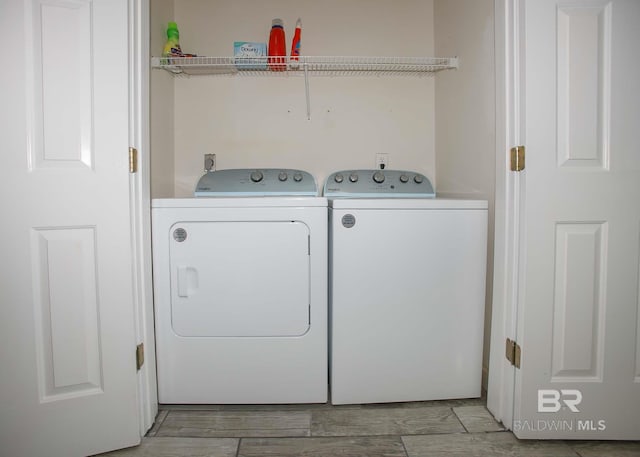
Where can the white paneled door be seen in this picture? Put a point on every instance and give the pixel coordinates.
(68, 372)
(578, 313)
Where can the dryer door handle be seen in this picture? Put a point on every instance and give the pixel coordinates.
(187, 280)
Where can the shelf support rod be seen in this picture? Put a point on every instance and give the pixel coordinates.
(306, 89)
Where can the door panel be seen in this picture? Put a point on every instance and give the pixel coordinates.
(66, 285)
(578, 303)
(67, 318)
(584, 84)
(62, 84)
(578, 317)
(240, 278)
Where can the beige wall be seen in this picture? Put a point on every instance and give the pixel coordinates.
(465, 115)
(261, 121)
(161, 104)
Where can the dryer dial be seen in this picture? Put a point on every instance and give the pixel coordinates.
(256, 176)
(378, 177)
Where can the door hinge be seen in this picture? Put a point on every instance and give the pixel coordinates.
(133, 160)
(139, 356)
(517, 158)
(513, 353)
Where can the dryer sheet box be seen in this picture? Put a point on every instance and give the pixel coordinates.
(250, 55)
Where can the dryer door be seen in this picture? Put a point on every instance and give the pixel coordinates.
(239, 279)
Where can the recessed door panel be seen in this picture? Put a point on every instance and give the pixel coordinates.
(239, 279)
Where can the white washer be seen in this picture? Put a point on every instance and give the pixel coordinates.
(240, 286)
(407, 289)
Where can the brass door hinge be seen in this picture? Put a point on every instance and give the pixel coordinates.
(517, 158)
(133, 160)
(139, 356)
(513, 353)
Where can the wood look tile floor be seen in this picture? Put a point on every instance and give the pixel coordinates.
(451, 428)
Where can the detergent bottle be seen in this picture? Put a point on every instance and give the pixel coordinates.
(294, 57)
(277, 47)
(172, 46)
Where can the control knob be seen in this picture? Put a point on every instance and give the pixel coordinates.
(378, 177)
(338, 178)
(404, 179)
(256, 176)
(353, 177)
(282, 176)
(418, 179)
(297, 177)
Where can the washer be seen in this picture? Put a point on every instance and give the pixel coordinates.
(407, 289)
(240, 282)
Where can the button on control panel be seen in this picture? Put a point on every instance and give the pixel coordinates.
(378, 184)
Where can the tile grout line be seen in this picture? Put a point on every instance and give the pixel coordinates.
(404, 447)
(156, 427)
(162, 422)
(238, 447)
(459, 420)
(578, 453)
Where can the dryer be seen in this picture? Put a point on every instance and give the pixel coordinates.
(407, 289)
(240, 282)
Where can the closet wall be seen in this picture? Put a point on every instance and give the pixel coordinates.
(465, 115)
(261, 121)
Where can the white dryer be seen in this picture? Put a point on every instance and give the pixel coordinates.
(407, 289)
(240, 282)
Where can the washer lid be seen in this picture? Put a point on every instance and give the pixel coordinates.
(378, 184)
(252, 182)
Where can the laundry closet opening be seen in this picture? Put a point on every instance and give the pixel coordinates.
(441, 124)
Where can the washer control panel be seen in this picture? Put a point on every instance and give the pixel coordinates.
(378, 184)
(256, 182)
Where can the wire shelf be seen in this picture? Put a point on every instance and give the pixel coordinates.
(313, 65)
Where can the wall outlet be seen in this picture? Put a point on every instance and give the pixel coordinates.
(382, 160)
(209, 162)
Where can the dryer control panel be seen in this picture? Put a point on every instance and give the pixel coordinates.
(378, 184)
(254, 182)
